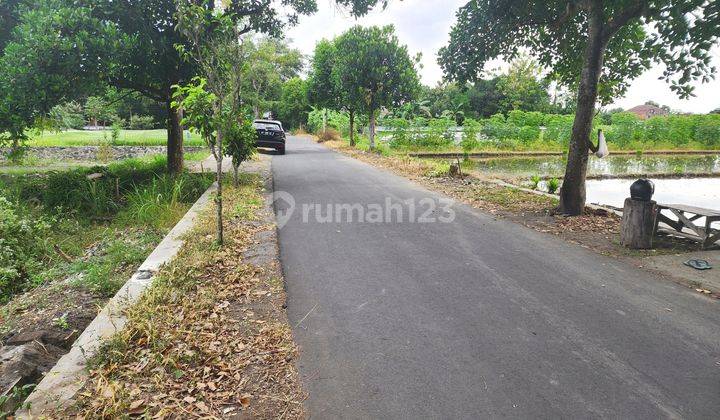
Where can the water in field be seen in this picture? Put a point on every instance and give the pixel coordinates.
(618, 165)
(699, 192)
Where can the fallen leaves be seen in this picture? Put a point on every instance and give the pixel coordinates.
(209, 339)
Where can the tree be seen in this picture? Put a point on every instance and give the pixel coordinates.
(619, 40)
(485, 98)
(34, 57)
(323, 86)
(212, 102)
(293, 107)
(97, 109)
(373, 70)
(270, 63)
(523, 87)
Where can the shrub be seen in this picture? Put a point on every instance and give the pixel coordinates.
(329, 134)
(708, 130)
(400, 135)
(471, 130)
(240, 144)
(437, 134)
(535, 181)
(142, 122)
(340, 121)
(68, 115)
(21, 242)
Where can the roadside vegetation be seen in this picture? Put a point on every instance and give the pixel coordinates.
(210, 337)
(50, 221)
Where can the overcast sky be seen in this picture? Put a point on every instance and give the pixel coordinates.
(423, 25)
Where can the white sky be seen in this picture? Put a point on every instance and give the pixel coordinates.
(424, 25)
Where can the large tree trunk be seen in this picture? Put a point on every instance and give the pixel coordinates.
(372, 129)
(174, 140)
(352, 128)
(572, 193)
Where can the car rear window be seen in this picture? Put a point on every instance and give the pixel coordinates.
(266, 126)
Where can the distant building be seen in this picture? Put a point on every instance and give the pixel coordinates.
(647, 111)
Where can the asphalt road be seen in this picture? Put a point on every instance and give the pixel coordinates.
(477, 318)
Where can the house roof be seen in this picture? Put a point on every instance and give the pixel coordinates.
(647, 110)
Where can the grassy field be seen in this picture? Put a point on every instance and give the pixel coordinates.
(92, 138)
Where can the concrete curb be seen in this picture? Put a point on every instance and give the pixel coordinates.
(68, 376)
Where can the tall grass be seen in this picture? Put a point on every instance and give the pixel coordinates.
(163, 201)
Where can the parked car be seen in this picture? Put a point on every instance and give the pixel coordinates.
(270, 134)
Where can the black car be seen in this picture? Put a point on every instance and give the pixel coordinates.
(270, 134)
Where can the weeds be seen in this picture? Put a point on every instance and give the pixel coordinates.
(47, 221)
(535, 181)
(553, 185)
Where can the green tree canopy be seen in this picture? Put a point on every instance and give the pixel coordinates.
(293, 107)
(270, 63)
(40, 68)
(322, 84)
(596, 46)
(373, 71)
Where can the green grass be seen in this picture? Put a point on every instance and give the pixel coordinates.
(94, 138)
(126, 211)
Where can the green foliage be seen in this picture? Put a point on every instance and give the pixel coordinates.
(21, 244)
(535, 181)
(555, 31)
(162, 201)
(39, 212)
(141, 122)
(44, 61)
(293, 107)
(523, 87)
(269, 65)
(471, 130)
(553, 185)
(68, 115)
(373, 70)
(335, 119)
(98, 111)
(322, 84)
(400, 137)
(239, 144)
(198, 106)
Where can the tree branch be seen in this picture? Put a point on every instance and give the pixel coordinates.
(637, 9)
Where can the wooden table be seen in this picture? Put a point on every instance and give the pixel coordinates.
(687, 215)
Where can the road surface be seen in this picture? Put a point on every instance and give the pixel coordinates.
(477, 318)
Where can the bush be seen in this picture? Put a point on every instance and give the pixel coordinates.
(337, 120)
(400, 135)
(21, 242)
(329, 135)
(471, 130)
(142, 122)
(68, 115)
(437, 134)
